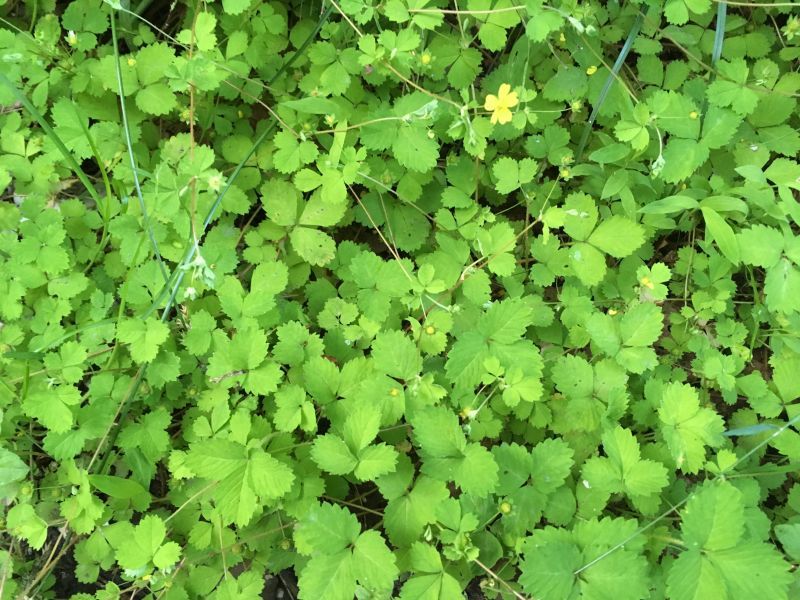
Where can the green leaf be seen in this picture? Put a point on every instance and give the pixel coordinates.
(12, 470)
(718, 561)
(375, 461)
(588, 263)
(241, 478)
(580, 216)
(144, 336)
(24, 523)
(268, 477)
(730, 87)
(760, 246)
(52, 407)
(722, 233)
(331, 453)
(328, 577)
(396, 355)
(714, 517)
(617, 236)
(415, 149)
(511, 175)
(782, 286)
(312, 245)
(156, 99)
(326, 529)
(687, 427)
(235, 7)
(374, 564)
(405, 517)
(144, 544)
(641, 325)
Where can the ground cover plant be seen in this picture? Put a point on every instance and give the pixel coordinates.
(405, 299)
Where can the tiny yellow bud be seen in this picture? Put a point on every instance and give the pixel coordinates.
(561, 38)
(612, 311)
(394, 392)
(565, 173)
(645, 281)
(215, 182)
(591, 70)
(505, 507)
(430, 330)
(693, 114)
(131, 62)
(240, 114)
(425, 59)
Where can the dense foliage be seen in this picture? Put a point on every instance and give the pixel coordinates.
(413, 299)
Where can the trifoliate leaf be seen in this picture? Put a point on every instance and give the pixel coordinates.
(511, 175)
(374, 461)
(144, 336)
(687, 428)
(332, 455)
(405, 517)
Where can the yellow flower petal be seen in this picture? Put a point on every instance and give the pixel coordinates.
(503, 115)
(504, 90)
(512, 100)
(491, 102)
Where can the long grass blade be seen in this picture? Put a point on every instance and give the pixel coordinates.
(612, 76)
(126, 128)
(179, 273)
(57, 141)
(719, 33)
(177, 276)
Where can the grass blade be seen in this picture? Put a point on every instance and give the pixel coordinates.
(612, 76)
(719, 33)
(128, 143)
(57, 141)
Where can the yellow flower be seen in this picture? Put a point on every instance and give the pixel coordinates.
(502, 104)
(426, 58)
(591, 70)
(645, 281)
(693, 114)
